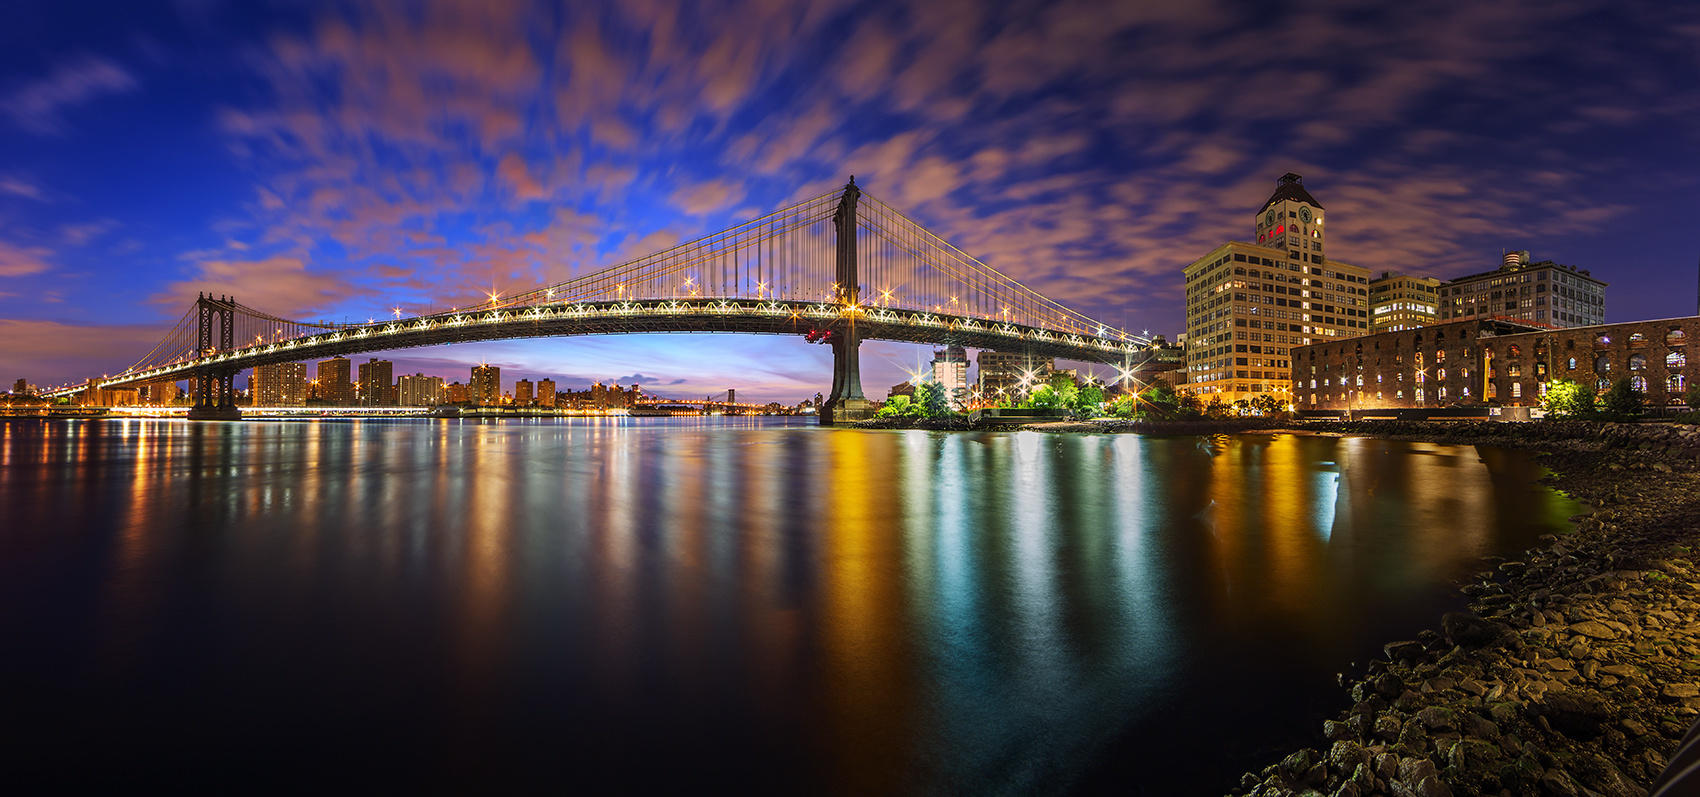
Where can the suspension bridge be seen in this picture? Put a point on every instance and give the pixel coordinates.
(836, 269)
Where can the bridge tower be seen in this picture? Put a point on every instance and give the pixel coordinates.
(846, 402)
(214, 388)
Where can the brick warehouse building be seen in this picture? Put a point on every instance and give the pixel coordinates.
(1494, 362)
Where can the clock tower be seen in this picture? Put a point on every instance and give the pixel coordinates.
(1291, 219)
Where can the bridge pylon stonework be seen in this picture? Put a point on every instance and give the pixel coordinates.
(846, 403)
(214, 389)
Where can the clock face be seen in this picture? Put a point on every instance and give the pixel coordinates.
(1269, 218)
(1304, 215)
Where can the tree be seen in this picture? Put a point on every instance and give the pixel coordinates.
(930, 397)
(1161, 399)
(1190, 407)
(1268, 404)
(898, 407)
(1567, 398)
(1088, 400)
(1242, 407)
(1217, 408)
(1623, 400)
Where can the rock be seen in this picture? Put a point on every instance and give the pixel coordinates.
(1347, 756)
(1576, 713)
(1403, 651)
(1335, 731)
(1386, 766)
(1594, 629)
(1679, 691)
(1295, 766)
(1388, 685)
(1387, 727)
(1436, 718)
(1469, 630)
(1556, 783)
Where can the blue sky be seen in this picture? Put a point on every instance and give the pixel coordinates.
(336, 160)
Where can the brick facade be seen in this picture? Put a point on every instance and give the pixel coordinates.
(1468, 363)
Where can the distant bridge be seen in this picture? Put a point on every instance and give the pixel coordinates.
(838, 268)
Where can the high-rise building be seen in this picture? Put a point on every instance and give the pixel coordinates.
(1543, 292)
(377, 388)
(279, 385)
(457, 393)
(1401, 301)
(1005, 373)
(950, 369)
(522, 393)
(1248, 303)
(20, 387)
(334, 384)
(485, 389)
(419, 390)
(546, 393)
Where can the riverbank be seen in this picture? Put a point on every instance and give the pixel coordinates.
(1576, 667)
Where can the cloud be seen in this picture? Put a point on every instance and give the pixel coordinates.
(281, 285)
(38, 107)
(707, 197)
(82, 234)
(18, 261)
(19, 187)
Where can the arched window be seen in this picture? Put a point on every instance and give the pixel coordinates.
(1602, 365)
(1493, 390)
(1603, 385)
(1439, 356)
(1514, 369)
(1514, 351)
(1603, 340)
(1639, 383)
(1637, 362)
(1440, 373)
(1675, 384)
(1676, 359)
(1637, 339)
(1570, 365)
(1675, 337)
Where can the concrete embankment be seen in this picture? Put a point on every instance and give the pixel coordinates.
(1576, 668)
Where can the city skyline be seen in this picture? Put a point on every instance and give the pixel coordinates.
(1155, 131)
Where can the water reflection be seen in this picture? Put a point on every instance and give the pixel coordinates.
(709, 602)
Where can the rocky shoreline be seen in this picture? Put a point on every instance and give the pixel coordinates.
(1575, 670)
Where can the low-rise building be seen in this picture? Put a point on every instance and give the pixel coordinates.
(1505, 363)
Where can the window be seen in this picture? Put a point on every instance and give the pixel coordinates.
(1676, 359)
(1516, 389)
(1602, 365)
(1639, 383)
(1514, 369)
(1674, 384)
(1637, 339)
(1514, 351)
(1570, 365)
(1675, 337)
(1637, 362)
(1602, 385)
(1603, 340)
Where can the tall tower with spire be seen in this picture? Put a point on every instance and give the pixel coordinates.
(1248, 303)
(1291, 219)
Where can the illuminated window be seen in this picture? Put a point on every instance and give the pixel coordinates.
(1637, 362)
(1674, 383)
(1639, 383)
(1676, 359)
(1516, 389)
(1603, 340)
(1675, 337)
(1570, 365)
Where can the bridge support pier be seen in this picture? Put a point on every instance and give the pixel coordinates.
(215, 391)
(846, 404)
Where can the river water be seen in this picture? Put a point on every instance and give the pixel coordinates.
(710, 604)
